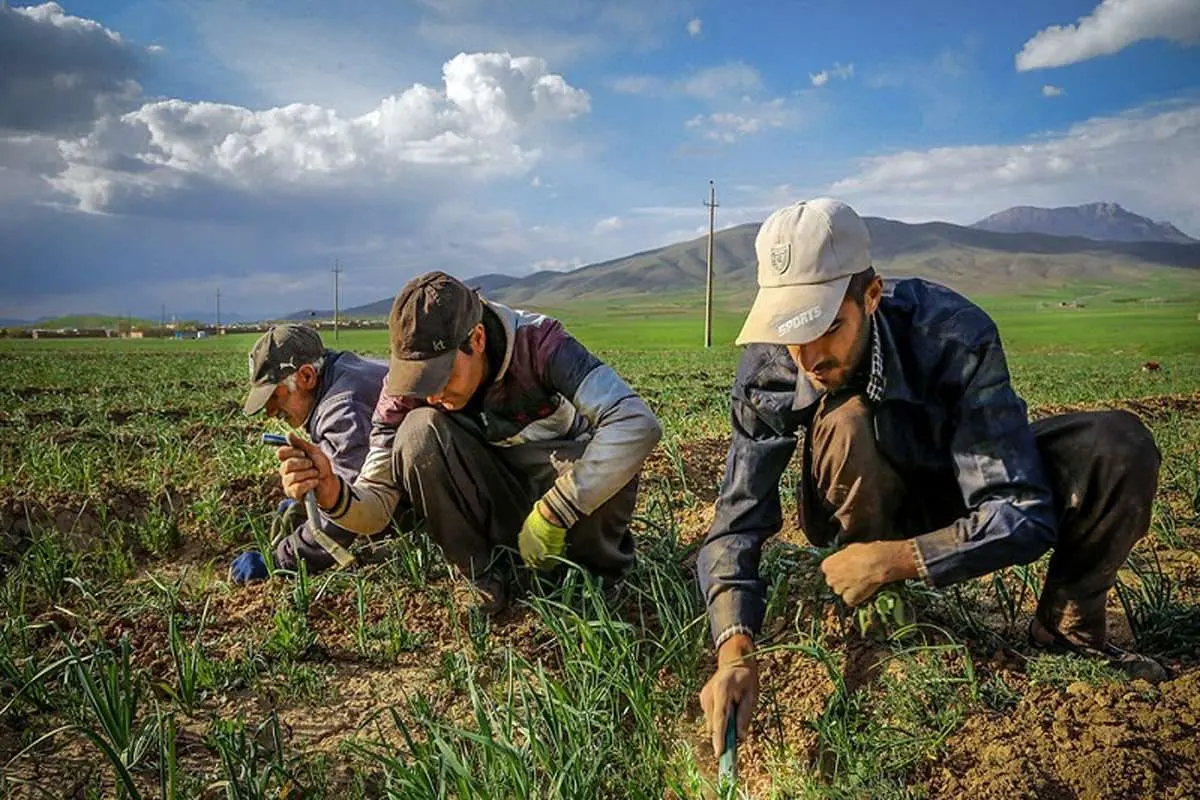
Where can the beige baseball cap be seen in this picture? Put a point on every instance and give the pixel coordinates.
(807, 253)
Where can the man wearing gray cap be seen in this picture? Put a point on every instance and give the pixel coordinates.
(331, 395)
(501, 430)
(918, 459)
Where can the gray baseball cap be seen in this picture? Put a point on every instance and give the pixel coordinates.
(277, 354)
(807, 253)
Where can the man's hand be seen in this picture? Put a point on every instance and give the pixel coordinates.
(540, 538)
(858, 570)
(304, 467)
(735, 681)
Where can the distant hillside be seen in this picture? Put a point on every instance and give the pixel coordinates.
(83, 321)
(1100, 221)
(966, 258)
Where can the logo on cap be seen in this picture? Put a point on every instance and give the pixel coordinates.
(781, 257)
(803, 318)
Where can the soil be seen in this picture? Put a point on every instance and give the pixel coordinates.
(1115, 740)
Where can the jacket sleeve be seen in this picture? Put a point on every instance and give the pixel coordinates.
(625, 430)
(342, 429)
(1011, 517)
(366, 506)
(748, 512)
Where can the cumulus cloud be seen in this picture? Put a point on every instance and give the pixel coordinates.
(475, 125)
(58, 72)
(1111, 27)
(821, 78)
(695, 26)
(1049, 90)
(1144, 159)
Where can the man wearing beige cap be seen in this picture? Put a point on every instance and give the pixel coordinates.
(918, 459)
(330, 394)
(501, 430)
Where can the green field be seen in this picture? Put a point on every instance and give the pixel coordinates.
(129, 666)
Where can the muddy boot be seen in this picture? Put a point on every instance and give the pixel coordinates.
(487, 593)
(1135, 665)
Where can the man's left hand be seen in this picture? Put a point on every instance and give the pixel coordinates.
(540, 538)
(858, 570)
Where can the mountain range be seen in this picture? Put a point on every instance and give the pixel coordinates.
(1022, 246)
(968, 258)
(1102, 221)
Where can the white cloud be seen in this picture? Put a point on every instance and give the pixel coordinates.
(556, 264)
(475, 126)
(750, 118)
(1144, 159)
(156, 49)
(821, 78)
(58, 72)
(561, 31)
(734, 96)
(731, 80)
(637, 84)
(1112, 26)
(695, 26)
(1049, 90)
(724, 82)
(535, 182)
(607, 225)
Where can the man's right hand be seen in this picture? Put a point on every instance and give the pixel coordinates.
(304, 467)
(735, 681)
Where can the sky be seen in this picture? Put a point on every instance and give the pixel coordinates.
(155, 152)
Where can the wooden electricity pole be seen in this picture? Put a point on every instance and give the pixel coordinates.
(218, 331)
(337, 274)
(711, 203)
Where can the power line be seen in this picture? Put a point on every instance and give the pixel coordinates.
(711, 204)
(337, 274)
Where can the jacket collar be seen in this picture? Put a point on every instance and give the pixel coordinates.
(895, 387)
(508, 318)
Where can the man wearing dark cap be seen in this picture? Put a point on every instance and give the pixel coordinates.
(918, 458)
(331, 395)
(500, 429)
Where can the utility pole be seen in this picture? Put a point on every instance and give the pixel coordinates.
(162, 318)
(337, 274)
(711, 204)
(218, 311)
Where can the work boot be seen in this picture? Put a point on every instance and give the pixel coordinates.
(489, 594)
(1134, 665)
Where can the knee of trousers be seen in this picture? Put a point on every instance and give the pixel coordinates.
(851, 421)
(421, 435)
(1125, 450)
